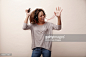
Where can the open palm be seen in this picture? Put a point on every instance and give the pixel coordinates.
(58, 11)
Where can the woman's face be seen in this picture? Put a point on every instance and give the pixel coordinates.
(41, 16)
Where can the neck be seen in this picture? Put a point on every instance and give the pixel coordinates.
(40, 23)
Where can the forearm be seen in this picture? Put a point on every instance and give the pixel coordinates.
(25, 25)
(26, 19)
(59, 20)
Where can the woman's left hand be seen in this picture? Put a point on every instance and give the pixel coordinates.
(58, 12)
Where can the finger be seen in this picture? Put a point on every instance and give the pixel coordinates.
(25, 10)
(58, 8)
(30, 10)
(55, 13)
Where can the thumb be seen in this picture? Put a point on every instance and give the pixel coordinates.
(61, 10)
(55, 13)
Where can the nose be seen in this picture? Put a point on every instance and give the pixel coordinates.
(42, 16)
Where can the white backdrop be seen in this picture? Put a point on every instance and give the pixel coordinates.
(15, 40)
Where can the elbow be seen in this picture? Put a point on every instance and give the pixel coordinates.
(59, 28)
(24, 28)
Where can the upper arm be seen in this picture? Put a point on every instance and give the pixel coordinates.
(26, 26)
(55, 27)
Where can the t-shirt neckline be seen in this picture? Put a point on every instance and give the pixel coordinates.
(41, 25)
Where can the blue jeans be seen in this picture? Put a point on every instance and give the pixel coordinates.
(38, 51)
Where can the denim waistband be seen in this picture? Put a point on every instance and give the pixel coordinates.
(38, 48)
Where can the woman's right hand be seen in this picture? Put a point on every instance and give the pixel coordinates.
(27, 14)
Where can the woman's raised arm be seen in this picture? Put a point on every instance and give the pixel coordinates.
(26, 26)
(58, 14)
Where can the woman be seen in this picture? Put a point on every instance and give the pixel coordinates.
(38, 29)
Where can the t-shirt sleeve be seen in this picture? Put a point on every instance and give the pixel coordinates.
(26, 26)
(55, 27)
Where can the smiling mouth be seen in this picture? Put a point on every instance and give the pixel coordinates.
(42, 19)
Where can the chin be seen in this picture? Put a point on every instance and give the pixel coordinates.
(43, 21)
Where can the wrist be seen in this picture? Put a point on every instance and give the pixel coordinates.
(58, 16)
(27, 16)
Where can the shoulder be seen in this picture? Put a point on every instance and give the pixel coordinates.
(49, 23)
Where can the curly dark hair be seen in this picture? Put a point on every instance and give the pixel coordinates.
(34, 15)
